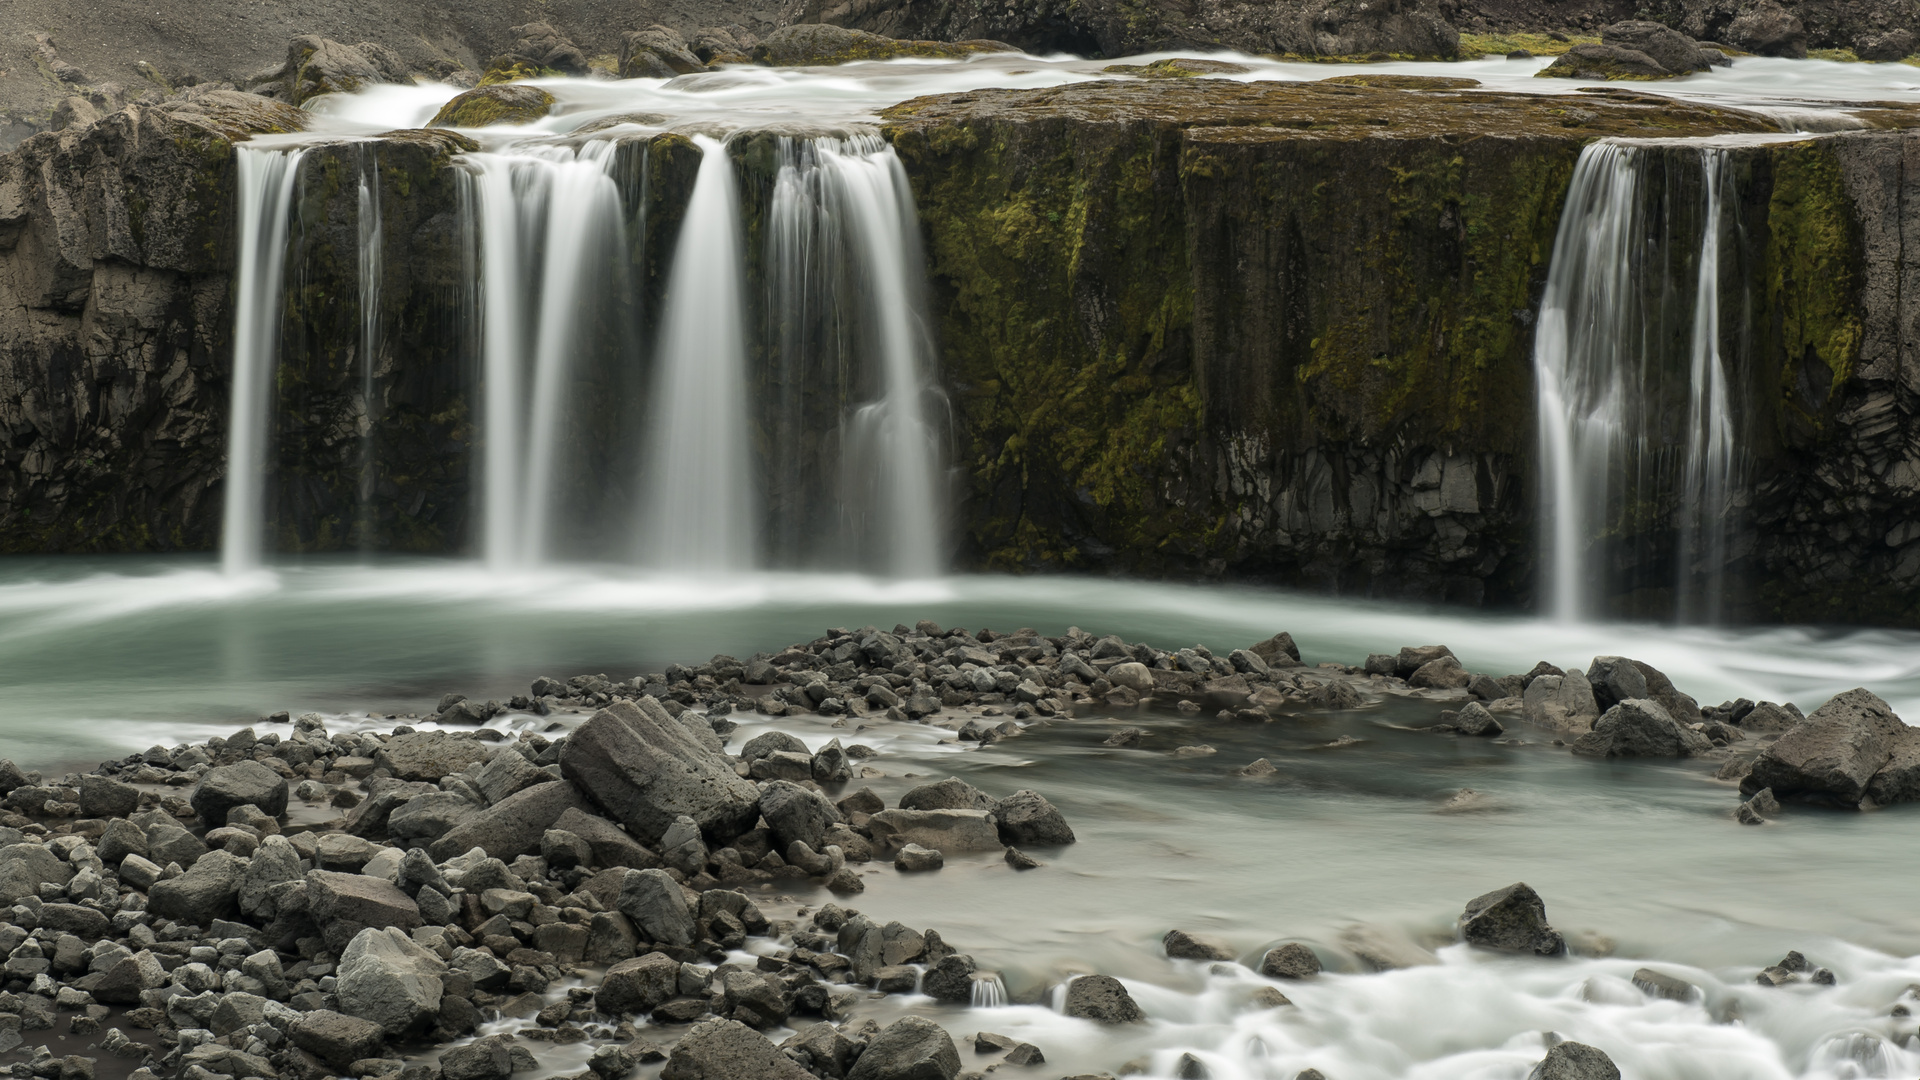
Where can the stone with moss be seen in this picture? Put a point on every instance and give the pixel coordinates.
(1610, 62)
(1403, 82)
(817, 45)
(502, 103)
(1178, 68)
(658, 52)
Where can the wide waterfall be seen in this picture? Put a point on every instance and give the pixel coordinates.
(1639, 456)
(266, 182)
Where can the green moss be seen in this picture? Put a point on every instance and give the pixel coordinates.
(1812, 250)
(1179, 68)
(1474, 46)
(502, 71)
(488, 105)
(1844, 56)
(1403, 82)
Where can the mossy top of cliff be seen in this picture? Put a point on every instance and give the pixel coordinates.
(820, 45)
(505, 103)
(234, 115)
(1324, 110)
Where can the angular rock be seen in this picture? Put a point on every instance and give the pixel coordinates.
(646, 774)
(910, 1048)
(123, 983)
(729, 1050)
(949, 831)
(502, 103)
(1102, 999)
(1278, 650)
(1601, 61)
(1898, 780)
(101, 797)
(1767, 29)
(952, 793)
(1475, 720)
(386, 978)
(913, 857)
(612, 846)
(209, 890)
(1027, 819)
(1513, 919)
(1440, 673)
(1661, 689)
(1574, 1061)
(1671, 49)
(638, 985)
(23, 867)
(513, 826)
(490, 1058)
(1561, 702)
(657, 907)
(950, 979)
(344, 905)
(1832, 756)
(231, 786)
(1181, 945)
(508, 772)
(121, 839)
(795, 813)
(1615, 679)
(430, 756)
(1655, 984)
(659, 52)
(1290, 961)
(1640, 728)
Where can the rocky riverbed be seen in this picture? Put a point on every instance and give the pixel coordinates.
(593, 879)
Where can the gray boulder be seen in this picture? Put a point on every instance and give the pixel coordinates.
(1027, 819)
(1898, 780)
(611, 845)
(1640, 728)
(490, 1058)
(23, 867)
(1475, 720)
(1561, 702)
(950, 979)
(1278, 651)
(638, 985)
(1767, 717)
(658, 52)
(386, 978)
(231, 786)
(1669, 48)
(1440, 673)
(768, 743)
(274, 863)
(1102, 999)
(952, 793)
(1181, 945)
(910, 1048)
(1767, 29)
(1615, 679)
(1574, 1061)
(121, 839)
(949, 831)
(795, 813)
(1513, 919)
(1831, 757)
(509, 771)
(513, 826)
(208, 891)
(646, 774)
(1412, 658)
(1290, 961)
(729, 1050)
(426, 817)
(344, 905)
(1681, 707)
(103, 797)
(657, 907)
(430, 756)
(1660, 985)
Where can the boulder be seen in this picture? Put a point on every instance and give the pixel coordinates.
(1412, 658)
(102, 797)
(486, 106)
(950, 979)
(1832, 756)
(209, 890)
(949, 831)
(317, 65)
(490, 1058)
(1599, 61)
(913, 858)
(611, 845)
(1659, 985)
(1475, 720)
(430, 756)
(513, 826)
(1880, 48)
(952, 793)
(729, 1050)
(84, 922)
(1440, 673)
(1181, 945)
(1027, 819)
(274, 863)
(344, 905)
(1680, 706)
(1574, 1061)
(1102, 999)
(796, 814)
(1640, 728)
(425, 818)
(120, 839)
(231, 786)
(1278, 651)
(1133, 675)
(646, 774)
(1767, 717)
(1671, 49)
(1290, 961)
(508, 772)
(1513, 919)
(768, 743)
(386, 978)
(1615, 679)
(123, 983)
(1898, 780)
(657, 907)
(24, 867)
(910, 1048)
(537, 45)
(1768, 29)
(1561, 702)
(638, 985)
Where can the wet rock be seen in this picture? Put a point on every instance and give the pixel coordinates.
(952, 793)
(950, 979)
(1440, 673)
(647, 773)
(1475, 720)
(1020, 860)
(429, 756)
(1102, 999)
(1133, 675)
(1278, 651)
(1191, 1068)
(913, 857)
(344, 905)
(1640, 728)
(950, 831)
(209, 890)
(1898, 780)
(1027, 819)
(386, 978)
(1601, 61)
(1655, 984)
(1574, 1061)
(1513, 919)
(1561, 702)
(832, 765)
(910, 1048)
(1125, 739)
(1257, 768)
(1671, 49)
(231, 786)
(1758, 809)
(1833, 756)
(795, 813)
(1661, 689)
(1767, 717)
(1290, 961)
(822, 1049)
(729, 1050)
(482, 1059)
(1181, 945)
(657, 907)
(486, 106)
(638, 985)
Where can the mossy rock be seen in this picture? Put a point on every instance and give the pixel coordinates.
(1178, 68)
(506, 70)
(1404, 82)
(818, 45)
(1610, 62)
(1474, 46)
(484, 106)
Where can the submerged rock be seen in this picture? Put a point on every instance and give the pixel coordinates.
(1290, 961)
(1513, 919)
(1640, 728)
(1574, 1061)
(1180, 945)
(486, 106)
(1102, 999)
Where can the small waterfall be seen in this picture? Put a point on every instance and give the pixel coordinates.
(988, 991)
(266, 179)
(845, 262)
(372, 236)
(550, 227)
(1639, 447)
(699, 508)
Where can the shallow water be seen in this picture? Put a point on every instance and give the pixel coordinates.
(101, 656)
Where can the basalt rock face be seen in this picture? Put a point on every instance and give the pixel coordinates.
(1273, 330)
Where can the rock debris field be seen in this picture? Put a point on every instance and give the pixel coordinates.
(425, 904)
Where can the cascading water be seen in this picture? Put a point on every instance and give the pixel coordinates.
(266, 178)
(372, 237)
(845, 260)
(1606, 359)
(699, 508)
(550, 223)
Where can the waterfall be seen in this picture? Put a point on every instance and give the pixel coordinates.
(371, 236)
(550, 228)
(844, 260)
(1611, 374)
(699, 512)
(266, 180)
(988, 991)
